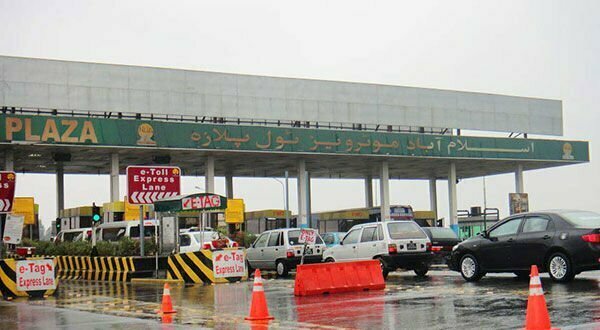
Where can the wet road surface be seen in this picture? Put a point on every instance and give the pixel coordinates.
(443, 300)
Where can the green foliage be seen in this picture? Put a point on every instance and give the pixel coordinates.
(244, 239)
(123, 248)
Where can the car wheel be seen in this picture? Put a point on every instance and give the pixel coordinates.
(329, 260)
(469, 268)
(282, 269)
(559, 267)
(385, 269)
(421, 270)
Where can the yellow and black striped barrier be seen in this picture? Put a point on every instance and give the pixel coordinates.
(196, 267)
(8, 277)
(117, 269)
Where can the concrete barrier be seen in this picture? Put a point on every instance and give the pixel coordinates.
(197, 267)
(117, 269)
(335, 277)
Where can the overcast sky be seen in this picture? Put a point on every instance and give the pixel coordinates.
(547, 49)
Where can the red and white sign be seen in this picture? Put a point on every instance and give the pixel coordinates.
(207, 201)
(7, 190)
(35, 275)
(147, 184)
(308, 236)
(229, 263)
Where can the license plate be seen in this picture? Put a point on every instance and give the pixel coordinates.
(309, 250)
(411, 246)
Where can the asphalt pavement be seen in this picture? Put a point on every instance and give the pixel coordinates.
(442, 300)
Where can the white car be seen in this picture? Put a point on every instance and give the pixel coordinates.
(396, 244)
(192, 241)
(73, 235)
(280, 250)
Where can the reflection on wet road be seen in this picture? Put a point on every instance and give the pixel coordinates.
(443, 300)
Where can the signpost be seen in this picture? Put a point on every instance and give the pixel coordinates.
(8, 181)
(146, 184)
(13, 229)
(307, 236)
(34, 275)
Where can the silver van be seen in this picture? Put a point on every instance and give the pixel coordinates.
(280, 250)
(396, 244)
(114, 231)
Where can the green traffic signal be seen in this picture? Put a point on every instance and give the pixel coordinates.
(96, 217)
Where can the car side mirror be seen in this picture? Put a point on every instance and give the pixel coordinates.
(341, 242)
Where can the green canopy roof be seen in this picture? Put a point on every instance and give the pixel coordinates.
(192, 202)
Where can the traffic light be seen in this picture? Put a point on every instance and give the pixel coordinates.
(96, 215)
(57, 225)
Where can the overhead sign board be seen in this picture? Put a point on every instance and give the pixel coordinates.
(7, 190)
(13, 229)
(229, 263)
(160, 134)
(33, 275)
(146, 184)
(203, 202)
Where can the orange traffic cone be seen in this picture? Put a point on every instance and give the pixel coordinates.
(258, 308)
(537, 313)
(167, 306)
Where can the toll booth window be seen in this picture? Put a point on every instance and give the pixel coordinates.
(352, 237)
(274, 239)
(369, 234)
(112, 234)
(185, 240)
(405, 230)
(134, 232)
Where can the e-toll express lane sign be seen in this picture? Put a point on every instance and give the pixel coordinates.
(146, 184)
(7, 190)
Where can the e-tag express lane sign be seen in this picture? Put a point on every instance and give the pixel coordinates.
(35, 275)
(146, 184)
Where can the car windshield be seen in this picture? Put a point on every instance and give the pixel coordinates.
(582, 219)
(294, 235)
(404, 230)
(437, 233)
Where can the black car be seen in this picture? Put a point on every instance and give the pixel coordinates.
(442, 241)
(563, 243)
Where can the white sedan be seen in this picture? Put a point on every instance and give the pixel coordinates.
(193, 241)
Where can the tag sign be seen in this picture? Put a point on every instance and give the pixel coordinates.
(308, 236)
(201, 202)
(35, 275)
(146, 184)
(13, 229)
(229, 263)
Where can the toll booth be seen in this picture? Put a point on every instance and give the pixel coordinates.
(343, 220)
(474, 221)
(168, 212)
(255, 222)
(114, 211)
(426, 219)
(77, 217)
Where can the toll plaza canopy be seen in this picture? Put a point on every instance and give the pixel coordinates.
(89, 118)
